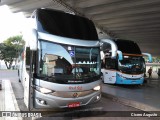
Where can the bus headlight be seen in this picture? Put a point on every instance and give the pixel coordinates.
(97, 88)
(44, 90)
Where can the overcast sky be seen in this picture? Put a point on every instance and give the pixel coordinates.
(10, 23)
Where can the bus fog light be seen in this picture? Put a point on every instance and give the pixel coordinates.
(44, 90)
(43, 102)
(98, 97)
(97, 88)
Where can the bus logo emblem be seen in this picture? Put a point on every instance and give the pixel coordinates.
(75, 95)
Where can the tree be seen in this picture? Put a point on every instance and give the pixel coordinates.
(154, 59)
(9, 49)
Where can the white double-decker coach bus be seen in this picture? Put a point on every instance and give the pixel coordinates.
(60, 65)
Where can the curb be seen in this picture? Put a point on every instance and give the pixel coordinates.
(131, 103)
(10, 100)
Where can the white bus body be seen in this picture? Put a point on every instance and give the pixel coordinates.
(129, 66)
(57, 44)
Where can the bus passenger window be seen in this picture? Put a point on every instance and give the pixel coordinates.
(27, 59)
(110, 63)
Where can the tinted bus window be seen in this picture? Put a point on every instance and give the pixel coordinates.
(127, 46)
(65, 25)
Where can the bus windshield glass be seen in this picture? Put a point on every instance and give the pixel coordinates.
(68, 64)
(132, 65)
(65, 25)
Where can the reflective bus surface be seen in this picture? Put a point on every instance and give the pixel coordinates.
(129, 70)
(62, 67)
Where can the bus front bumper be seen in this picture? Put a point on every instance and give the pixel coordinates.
(130, 81)
(49, 101)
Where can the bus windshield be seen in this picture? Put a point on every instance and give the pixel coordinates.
(132, 65)
(73, 27)
(68, 64)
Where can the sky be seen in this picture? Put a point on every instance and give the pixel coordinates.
(11, 24)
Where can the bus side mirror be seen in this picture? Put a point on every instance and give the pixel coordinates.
(120, 55)
(33, 40)
(102, 55)
(149, 56)
(113, 46)
(32, 37)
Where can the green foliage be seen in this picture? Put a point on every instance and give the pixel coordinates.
(16, 41)
(154, 59)
(10, 48)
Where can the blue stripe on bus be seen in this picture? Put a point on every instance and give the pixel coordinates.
(120, 80)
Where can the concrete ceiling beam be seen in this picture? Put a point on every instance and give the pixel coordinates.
(128, 12)
(121, 5)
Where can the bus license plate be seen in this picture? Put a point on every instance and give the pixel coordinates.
(74, 104)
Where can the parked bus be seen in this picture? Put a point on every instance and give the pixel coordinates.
(129, 66)
(60, 65)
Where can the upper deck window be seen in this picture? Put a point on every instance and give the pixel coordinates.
(65, 25)
(127, 46)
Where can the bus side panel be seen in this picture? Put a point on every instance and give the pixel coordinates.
(26, 89)
(24, 79)
(109, 76)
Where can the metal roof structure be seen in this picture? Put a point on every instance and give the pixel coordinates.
(136, 20)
